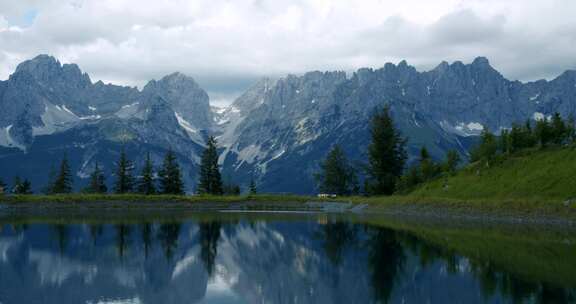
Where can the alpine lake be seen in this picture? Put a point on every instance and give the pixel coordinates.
(242, 257)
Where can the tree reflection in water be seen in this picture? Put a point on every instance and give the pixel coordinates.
(122, 232)
(386, 260)
(168, 234)
(272, 262)
(209, 236)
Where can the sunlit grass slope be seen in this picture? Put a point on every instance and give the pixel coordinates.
(535, 175)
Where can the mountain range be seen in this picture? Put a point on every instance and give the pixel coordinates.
(276, 132)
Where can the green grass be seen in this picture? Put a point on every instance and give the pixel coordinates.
(534, 175)
(533, 253)
(534, 183)
(134, 198)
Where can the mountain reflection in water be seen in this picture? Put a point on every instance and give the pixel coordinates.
(252, 260)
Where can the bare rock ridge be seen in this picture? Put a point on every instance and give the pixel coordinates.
(275, 132)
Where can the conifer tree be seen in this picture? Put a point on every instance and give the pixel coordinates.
(97, 181)
(170, 175)
(124, 179)
(47, 189)
(210, 179)
(428, 168)
(21, 187)
(63, 181)
(410, 179)
(252, 187)
(505, 142)
(16, 185)
(336, 176)
(387, 154)
(3, 187)
(146, 181)
(571, 129)
(543, 132)
(452, 161)
(558, 129)
(487, 149)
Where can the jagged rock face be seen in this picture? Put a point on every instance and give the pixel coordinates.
(57, 96)
(278, 130)
(185, 97)
(300, 118)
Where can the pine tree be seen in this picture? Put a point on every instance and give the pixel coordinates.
(124, 179)
(487, 149)
(505, 142)
(146, 181)
(3, 188)
(63, 182)
(558, 129)
(51, 180)
(387, 154)
(252, 187)
(210, 178)
(571, 129)
(336, 176)
(410, 179)
(97, 181)
(543, 132)
(428, 168)
(16, 185)
(170, 175)
(452, 161)
(21, 187)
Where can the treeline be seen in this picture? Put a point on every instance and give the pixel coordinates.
(386, 160)
(167, 179)
(552, 131)
(385, 171)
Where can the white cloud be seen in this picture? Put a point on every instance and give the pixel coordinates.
(219, 42)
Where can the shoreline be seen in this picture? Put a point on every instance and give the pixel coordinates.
(401, 207)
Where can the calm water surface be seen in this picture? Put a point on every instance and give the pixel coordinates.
(272, 259)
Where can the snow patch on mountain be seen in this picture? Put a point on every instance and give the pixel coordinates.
(55, 119)
(538, 116)
(250, 154)
(463, 128)
(5, 139)
(127, 111)
(185, 124)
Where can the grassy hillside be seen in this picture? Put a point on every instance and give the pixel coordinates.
(535, 175)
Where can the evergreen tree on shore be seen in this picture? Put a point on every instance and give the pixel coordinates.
(170, 175)
(97, 181)
(252, 187)
(387, 154)
(124, 179)
(47, 189)
(487, 149)
(63, 181)
(336, 176)
(2, 187)
(210, 178)
(428, 167)
(451, 163)
(146, 181)
(21, 186)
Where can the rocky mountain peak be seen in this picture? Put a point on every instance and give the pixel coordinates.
(481, 62)
(47, 70)
(254, 96)
(185, 97)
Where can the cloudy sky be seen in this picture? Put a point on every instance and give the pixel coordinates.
(227, 44)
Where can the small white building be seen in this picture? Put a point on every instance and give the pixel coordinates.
(326, 195)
